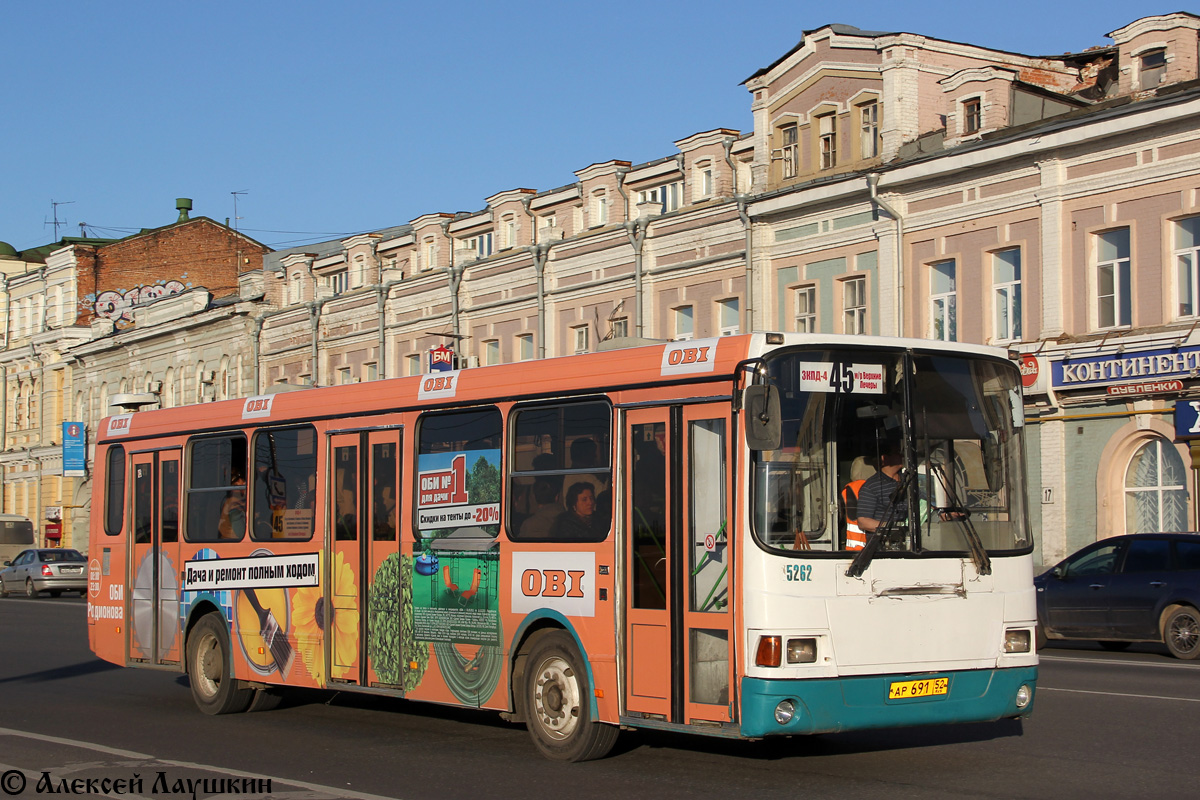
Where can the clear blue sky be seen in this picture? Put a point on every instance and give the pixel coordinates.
(339, 117)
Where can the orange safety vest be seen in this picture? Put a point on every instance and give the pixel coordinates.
(856, 538)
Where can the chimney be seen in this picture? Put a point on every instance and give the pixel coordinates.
(184, 204)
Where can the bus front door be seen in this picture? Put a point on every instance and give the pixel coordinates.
(364, 590)
(678, 619)
(153, 627)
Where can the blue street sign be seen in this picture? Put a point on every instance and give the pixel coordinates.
(74, 449)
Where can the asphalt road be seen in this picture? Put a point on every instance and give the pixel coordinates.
(1105, 725)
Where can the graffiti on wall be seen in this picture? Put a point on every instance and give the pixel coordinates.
(118, 305)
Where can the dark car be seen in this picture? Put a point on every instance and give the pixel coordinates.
(1143, 587)
(54, 570)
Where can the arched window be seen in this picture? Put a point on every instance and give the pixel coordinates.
(1155, 489)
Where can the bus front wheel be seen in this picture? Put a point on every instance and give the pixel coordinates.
(214, 688)
(558, 703)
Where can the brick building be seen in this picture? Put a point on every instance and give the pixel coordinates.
(72, 344)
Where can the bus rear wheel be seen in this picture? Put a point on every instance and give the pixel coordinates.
(558, 703)
(214, 688)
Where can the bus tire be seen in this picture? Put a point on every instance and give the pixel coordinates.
(558, 703)
(214, 688)
(265, 699)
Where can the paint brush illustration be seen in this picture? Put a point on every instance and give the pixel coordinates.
(272, 635)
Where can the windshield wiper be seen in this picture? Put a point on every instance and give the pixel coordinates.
(979, 556)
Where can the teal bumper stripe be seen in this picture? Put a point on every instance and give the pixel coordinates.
(828, 705)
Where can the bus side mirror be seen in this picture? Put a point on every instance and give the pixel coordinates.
(763, 425)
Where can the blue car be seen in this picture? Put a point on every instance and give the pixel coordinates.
(1143, 587)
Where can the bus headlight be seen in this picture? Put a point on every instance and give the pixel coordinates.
(1024, 696)
(801, 651)
(785, 711)
(1016, 641)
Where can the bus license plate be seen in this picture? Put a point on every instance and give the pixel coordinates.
(923, 688)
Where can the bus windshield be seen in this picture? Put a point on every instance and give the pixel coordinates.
(921, 450)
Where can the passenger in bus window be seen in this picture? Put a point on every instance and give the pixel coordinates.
(546, 493)
(578, 522)
(232, 524)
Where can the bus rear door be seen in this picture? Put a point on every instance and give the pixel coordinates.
(678, 619)
(153, 631)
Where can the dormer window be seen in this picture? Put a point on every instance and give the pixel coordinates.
(869, 129)
(789, 149)
(599, 208)
(972, 116)
(1152, 68)
(828, 128)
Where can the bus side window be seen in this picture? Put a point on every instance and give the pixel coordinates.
(285, 479)
(114, 495)
(216, 482)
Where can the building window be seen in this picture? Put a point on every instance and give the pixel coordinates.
(525, 346)
(1152, 68)
(854, 305)
(343, 376)
(414, 364)
(480, 245)
(706, 184)
(339, 281)
(508, 232)
(599, 208)
(620, 327)
(869, 129)
(668, 197)
(972, 111)
(1155, 490)
(806, 309)
(790, 150)
(548, 221)
(1113, 303)
(491, 352)
(295, 296)
(1187, 265)
(1006, 284)
(372, 371)
(730, 316)
(580, 335)
(430, 255)
(943, 301)
(828, 128)
(684, 325)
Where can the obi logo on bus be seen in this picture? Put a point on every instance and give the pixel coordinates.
(688, 358)
(257, 407)
(441, 386)
(120, 424)
(564, 582)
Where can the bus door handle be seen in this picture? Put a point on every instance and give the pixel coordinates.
(1096, 586)
(1157, 584)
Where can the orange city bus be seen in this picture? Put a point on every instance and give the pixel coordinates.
(659, 537)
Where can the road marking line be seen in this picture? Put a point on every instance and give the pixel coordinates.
(1119, 662)
(334, 791)
(1119, 694)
